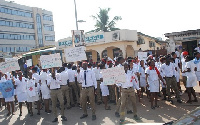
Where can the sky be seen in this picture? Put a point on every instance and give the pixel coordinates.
(151, 17)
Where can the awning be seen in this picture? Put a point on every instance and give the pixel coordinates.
(39, 52)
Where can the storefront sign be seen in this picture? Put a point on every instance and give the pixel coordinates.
(65, 43)
(95, 38)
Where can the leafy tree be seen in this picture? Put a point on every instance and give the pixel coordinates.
(103, 23)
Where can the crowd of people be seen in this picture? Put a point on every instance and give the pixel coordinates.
(82, 84)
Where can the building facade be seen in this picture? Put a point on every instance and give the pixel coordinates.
(23, 28)
(188, 40)
(125, 43)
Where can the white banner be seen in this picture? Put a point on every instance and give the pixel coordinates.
(50, 61)
(75, 54)
(142, 55)
(9, 66)
(29, 62)
(113, 75)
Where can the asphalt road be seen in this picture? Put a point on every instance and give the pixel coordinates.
(165, 113)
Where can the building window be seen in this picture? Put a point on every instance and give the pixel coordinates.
(104, 54)
(17, 37)
(15, 12)
(49, 28)
(50, 38)
(16, 24)
(39, 30)
(49, 18)
(140, 40)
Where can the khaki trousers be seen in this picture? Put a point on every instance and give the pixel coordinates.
(65, 91)
(98, 92)
(171, 82)
(75, 88)
(125, 95)
(88, 92)
(80, 88)
(57, 94)
(112, 92)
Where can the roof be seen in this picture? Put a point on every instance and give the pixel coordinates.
(182, 32)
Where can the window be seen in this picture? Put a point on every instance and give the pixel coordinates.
(49, 18)
(15, 12)
(39, 30)
(16, 37)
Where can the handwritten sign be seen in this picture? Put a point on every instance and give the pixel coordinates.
(7, 89)
(142, 55)
(50, 61)
(9, 66)
(75, 54)
(113, 75)
(29, 62)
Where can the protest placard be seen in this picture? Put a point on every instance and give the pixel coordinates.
(113, 75)
(9, 66)
(7, 89)
(78, 38)
(50, 61)
(29, 62)
(142, 55)
(75, 54)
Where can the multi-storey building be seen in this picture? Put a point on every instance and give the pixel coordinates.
(23, 28)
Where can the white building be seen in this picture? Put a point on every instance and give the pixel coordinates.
(23, 28)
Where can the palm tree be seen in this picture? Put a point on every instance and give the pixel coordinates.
(102, 21)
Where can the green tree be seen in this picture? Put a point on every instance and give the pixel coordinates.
(103, 23)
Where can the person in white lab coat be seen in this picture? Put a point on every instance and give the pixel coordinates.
(191, 79)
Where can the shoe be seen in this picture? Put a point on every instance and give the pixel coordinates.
(179, 101)
(153, 107)
(31, 114)
(83, 116)
(108, 108)
(195, 100)
(129, 112)
(48, 112)
(136, 117)
(98, 103)
(69, 107)
(121, 121)
(20, 114)
(117, 114)
(64, 118)
(189, 101)
(93, 117)
(156, 106)
(55, 120)
(38, 113)
(8, 114)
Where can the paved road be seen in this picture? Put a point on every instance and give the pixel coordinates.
(167, 112)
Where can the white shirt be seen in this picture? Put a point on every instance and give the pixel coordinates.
(168, 70)
(71, 75)
(90, 78)
(130, 81)
(64, 77)
(21, 86)
(54, 84)
(177, 54)
(197, 49)
(97, 72)
(183, 66)
(36, 77)
(43, 77)
(152, 75)
(31, 90)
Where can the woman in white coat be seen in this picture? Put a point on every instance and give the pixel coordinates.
(152, 80)
(44, 89)
(191, 79)
(31, 92)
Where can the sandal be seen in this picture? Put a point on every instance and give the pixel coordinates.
(157, 106)
(153, 107)
(108, 108)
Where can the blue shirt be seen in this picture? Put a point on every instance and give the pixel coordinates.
(7, 89)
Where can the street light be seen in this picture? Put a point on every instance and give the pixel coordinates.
(77, 21)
